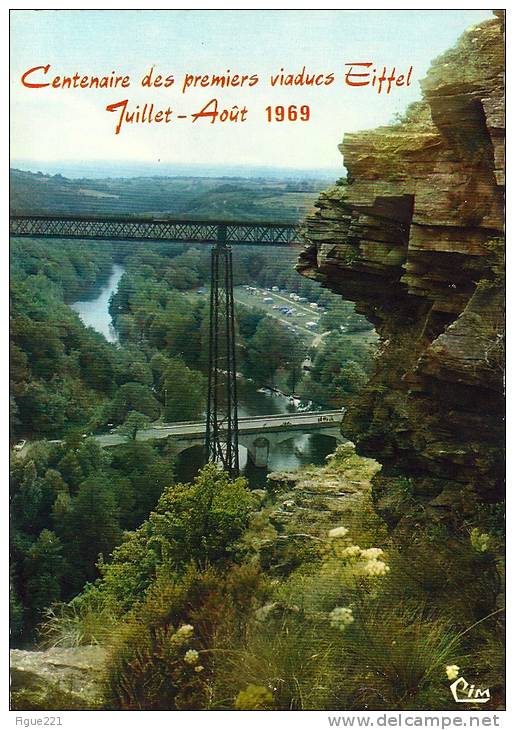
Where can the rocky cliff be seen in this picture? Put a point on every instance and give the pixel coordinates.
(414, 237)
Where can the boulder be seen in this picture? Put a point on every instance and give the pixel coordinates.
(57, 679)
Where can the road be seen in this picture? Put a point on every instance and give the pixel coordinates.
(258, 424)
(193, 429)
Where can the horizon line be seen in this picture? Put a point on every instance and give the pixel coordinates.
(30, 165)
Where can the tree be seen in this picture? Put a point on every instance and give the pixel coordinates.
(140, 372)
(297, 352)
(41, 410)
(269, 349)
(198, 522)
(92, 526)
(134, 397)
(71, 469)
(134, 422)
(92, 457)
(45, 566)
(339, 370)
(248, 321)
(183, 391)
(40, 342)
(148, 473)
(27, 497)
(97, 366)
(158, 365)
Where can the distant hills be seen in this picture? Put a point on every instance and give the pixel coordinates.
(286, 199)
(105, 169)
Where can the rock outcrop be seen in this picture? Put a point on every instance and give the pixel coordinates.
(302, 506)
(415, 239)
(57, 679)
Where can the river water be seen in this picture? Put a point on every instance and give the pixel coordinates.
(95, 312)
(290, 455)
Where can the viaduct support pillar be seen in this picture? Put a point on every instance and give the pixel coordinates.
(222, 402)
(259, 451)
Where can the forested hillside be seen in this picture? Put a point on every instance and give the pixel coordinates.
(191, 198)
(68, 382)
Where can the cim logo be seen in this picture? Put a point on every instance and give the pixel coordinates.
(468, 692)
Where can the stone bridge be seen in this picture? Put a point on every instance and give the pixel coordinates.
(258, 434)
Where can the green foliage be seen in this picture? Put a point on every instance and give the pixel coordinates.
(185, 627)
(354, 627)
(83, 621)
(175, 196)
(44, 567)
(134, 422)
(59, 368)
(70, 503)
(184, 391)
(340, 370)
(164, 652)
(147, 667)
(93, 520)
(395, 659)
(134, 397)
(198, 522)
(15, 611)
(272, 347)
(254, 697)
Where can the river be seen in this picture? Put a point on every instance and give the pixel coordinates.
(290, 455)
(94, 312)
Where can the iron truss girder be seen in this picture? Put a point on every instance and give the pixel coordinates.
(258, 234)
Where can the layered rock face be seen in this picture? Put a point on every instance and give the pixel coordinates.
(414, 238)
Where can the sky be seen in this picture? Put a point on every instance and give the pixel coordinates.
(53, 125)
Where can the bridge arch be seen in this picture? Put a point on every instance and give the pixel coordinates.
(260, 447)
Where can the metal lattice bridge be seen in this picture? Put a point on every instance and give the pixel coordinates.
(147, 229)
(221, 435)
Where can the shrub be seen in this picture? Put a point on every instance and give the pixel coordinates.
(164, 653)
(198, 522)
(395, 658)
(254, 698)
(83, 621)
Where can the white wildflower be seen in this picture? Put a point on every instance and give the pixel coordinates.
(199, 668)
(375, 568)
(371, 553)
(452, 671)
(338, 532)
(351, 552)
(184, 632)
(191, 656)
(341, 617)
